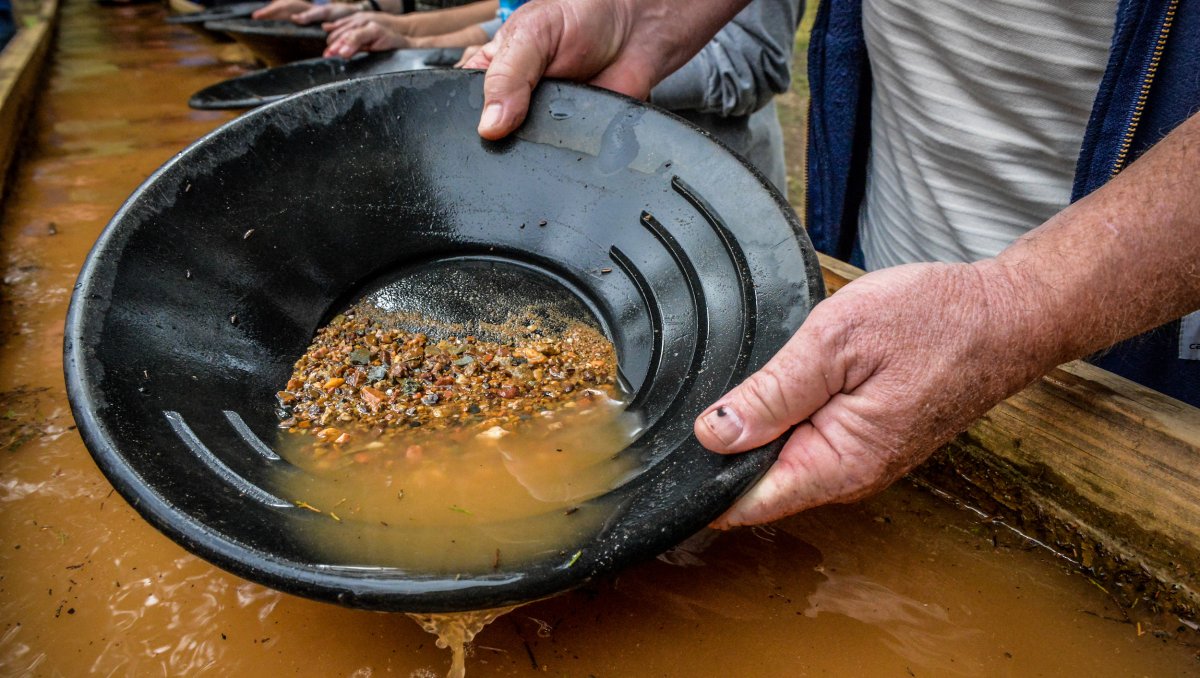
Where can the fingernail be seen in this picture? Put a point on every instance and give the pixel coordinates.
(491, 116)
(725, 423)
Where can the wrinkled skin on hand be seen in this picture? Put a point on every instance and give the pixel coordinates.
(873, 386)
(282, 9)
(365, 32)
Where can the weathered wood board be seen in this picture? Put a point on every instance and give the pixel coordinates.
(21, 64)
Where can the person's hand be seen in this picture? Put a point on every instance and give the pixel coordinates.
(282, 9)
(624, 45)
(324, 13)
(365, 32)
(879, 375)
(468, 53)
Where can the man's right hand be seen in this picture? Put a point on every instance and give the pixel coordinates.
(627, 46)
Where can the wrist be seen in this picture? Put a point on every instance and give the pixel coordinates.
(1025, 320)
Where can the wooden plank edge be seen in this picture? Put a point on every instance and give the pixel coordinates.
(21, 65)
(1103, 471)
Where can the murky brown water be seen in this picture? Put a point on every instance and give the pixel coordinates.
(901, 585)
(466, 502)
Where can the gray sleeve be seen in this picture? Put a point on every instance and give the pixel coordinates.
(746, 64)
(491, 26)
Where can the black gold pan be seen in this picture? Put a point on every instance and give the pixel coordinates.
(182, 327)
(271, 84)
(196, 20)
(274, 42)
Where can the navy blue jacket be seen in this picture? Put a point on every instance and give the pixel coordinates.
(1151, 85)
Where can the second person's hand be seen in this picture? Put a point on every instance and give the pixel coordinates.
(364, 32)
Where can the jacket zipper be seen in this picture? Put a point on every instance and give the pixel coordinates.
(1144, 93)
(804, 175)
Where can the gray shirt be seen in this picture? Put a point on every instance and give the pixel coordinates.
(742, 68)
(728, 87)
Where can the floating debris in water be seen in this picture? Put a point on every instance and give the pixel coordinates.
(306, 506)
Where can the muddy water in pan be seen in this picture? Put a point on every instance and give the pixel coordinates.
(465, 503)
(900, 585)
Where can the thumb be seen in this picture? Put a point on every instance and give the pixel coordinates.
(796, 382)
(517, 59)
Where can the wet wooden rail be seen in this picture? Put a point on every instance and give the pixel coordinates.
(21, 64)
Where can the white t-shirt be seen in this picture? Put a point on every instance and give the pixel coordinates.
(977, 116)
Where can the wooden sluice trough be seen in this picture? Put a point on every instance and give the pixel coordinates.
(21, 65)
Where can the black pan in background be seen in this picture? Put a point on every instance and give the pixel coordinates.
(211, 279)
(275, 43)
(196, 20)
(234, 10)
(272, 84)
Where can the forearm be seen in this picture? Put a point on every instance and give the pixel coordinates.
(684, 28)
(442, 21)
(1121, 261)
(466, 37)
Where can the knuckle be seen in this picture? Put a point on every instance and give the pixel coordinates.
(502, 80)
(765, 393)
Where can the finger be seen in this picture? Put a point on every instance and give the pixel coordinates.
(349, 43)
(342, 23)
(481, 58)
(341, 31)
(365, 39)
(797, 381)
(808, 473)
(468, 52)
(517, 64)
(343, 49)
